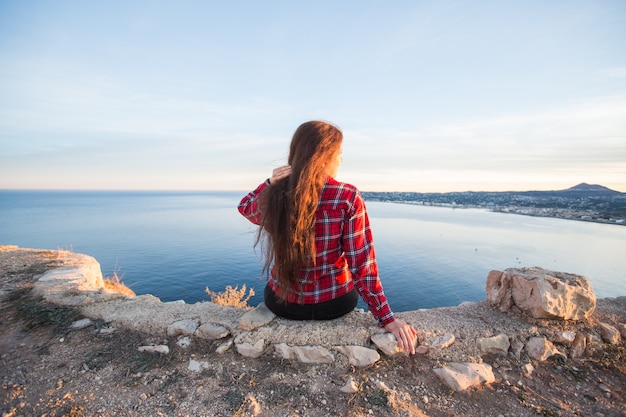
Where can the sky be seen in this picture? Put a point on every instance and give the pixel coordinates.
(432, 96)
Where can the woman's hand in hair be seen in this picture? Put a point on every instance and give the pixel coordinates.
(280, 173)
(404, 333)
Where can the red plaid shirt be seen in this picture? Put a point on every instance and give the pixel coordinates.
(345, 251)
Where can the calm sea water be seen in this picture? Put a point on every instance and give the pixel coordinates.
(174, 244)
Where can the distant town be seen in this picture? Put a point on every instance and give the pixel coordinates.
(583, 202)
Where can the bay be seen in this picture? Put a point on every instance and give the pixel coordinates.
(174, 244)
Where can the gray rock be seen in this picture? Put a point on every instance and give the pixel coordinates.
(461, 376)
(155, 349)
(211, 331)
(351, 387)
(610, 334)
(256, 318)
(81, 324)
(540, 349)
(184, 342)
(387, 343)
(359, 356)
(224, 346)
(182, 327)
(498, 344)
(442, 342)
(579, 345)
(564, 338)
(197, 366)
(304, 354)
(249, 350)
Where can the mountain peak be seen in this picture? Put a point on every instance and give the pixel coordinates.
(583, 186)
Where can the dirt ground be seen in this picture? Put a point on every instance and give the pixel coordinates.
(47, 369)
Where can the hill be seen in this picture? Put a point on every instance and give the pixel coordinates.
(586, 202)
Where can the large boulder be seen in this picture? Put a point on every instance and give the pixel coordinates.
(542, 293)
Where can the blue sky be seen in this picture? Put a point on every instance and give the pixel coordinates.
(432, 96)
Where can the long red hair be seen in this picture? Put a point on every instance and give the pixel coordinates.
(288, 227)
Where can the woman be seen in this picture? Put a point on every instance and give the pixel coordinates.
(316, 237)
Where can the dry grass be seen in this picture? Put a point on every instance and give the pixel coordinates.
(115, 284)
(232, 297)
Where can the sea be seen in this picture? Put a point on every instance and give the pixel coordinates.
(175, 245)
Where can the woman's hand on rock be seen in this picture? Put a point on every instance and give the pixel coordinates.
(404, 333)
(279, 174)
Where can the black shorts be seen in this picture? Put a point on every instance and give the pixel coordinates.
(326, 310)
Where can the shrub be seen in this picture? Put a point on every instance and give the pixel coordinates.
(232, 297)
(115, 284)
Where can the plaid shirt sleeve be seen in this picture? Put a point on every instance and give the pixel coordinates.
(358, 246)
(249, 206)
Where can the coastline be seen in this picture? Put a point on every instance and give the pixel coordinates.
(147, 319)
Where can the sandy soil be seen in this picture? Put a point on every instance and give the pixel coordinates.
(47, 369)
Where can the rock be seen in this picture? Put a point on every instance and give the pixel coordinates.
(304, 354)
(256, 318)
(442, 342)
(609, 334)
(211, 331)
(461, 376)
(594, 344)
(564, 338)
(184, 342)
(622, 329)
(249, 350)
(223, 347)
(359, 356)
(517, 346)
(76, 284)
(351, 387)
(422, 349)
(154, 349)
(540, 349)
(542, 293)
(182, 327)
(387, 343)
(197, 366)
(579, 345)
(81, 324)
(498, 344)
(528, 370)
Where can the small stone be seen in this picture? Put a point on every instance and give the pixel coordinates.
(359, 356)
(564, 338)
(184, 342)
(422, 349)
(249, 350)
(223, 347)
(81, 324)
(461, 376)
(442, 342)
(197, 366)
(256, 318)
(387, 343)
(351, 387)
(182, 327)
(304, 354)
(163, 349)
(528, 370)
(579, 345)
(211, 331)
(540, 349)
(498, 344)
(610, 334)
